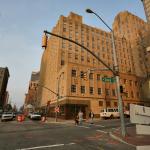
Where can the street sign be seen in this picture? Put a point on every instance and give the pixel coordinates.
(56, 109)
(107, 79)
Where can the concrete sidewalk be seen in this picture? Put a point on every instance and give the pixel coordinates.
(53, 120)
(131, 138)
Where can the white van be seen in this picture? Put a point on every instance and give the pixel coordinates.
(109, 113)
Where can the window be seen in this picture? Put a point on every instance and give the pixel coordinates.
(73, 73)
(91, 90)
(107, 92)
(62, 62)
(76, 56)
(82, 74)
(98, 77)
(82, 89)
(132, 95)
(73, 88)
(115, 104)
(124, 81)
(88, 59)
(130, 81)
(100, 103)
(113, 92)
(82, 58)
(107, 104)
(91, 76)
(99, 91)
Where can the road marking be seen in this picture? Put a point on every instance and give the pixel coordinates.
(98, 125)
(102, 131)
(39, 147)
(83, 127)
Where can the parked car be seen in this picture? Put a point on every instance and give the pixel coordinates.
(7, 116)
(29, 114)
(109, 113)
(35, 116)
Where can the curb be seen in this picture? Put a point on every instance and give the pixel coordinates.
(119, 139)
(59, 122)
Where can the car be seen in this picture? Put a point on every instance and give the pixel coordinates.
(35, 116)
(7, 116)
(109, 113)
(29, 114)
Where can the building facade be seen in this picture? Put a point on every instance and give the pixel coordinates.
(31, 96)
(63, 66)
(4, 75)
(146, 4)
(135, 31)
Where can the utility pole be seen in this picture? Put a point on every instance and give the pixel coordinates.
(116, 70)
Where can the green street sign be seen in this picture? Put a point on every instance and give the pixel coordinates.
(107, 79)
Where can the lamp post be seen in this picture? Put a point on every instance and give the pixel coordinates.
(48, 103)
(58, 95)
(116, 69)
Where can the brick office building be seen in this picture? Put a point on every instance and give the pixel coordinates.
(4, 75)
(64, 63)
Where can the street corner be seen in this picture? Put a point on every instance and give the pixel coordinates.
(118, 137)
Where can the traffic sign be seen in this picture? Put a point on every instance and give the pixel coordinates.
(56, 109)
(107, 79)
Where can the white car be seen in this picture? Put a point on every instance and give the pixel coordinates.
(35, 116)
(109, 113)
(7, 116)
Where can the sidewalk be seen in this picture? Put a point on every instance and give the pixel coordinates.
(52, 120)
(131, 138)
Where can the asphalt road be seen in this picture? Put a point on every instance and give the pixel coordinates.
(59, 136)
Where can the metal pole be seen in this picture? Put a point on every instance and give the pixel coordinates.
(116, 70)
(56, 117)
(56, 113)
(123, 131)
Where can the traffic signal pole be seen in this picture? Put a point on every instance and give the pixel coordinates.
(116, 70)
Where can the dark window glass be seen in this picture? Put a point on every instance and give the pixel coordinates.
(91, 90)
(73, 73)
(73, 88)
(82, 89)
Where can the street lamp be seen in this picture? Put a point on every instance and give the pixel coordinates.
(58, 95)
(116, 69)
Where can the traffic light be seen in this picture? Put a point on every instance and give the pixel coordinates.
(44, 41)
(121, 89)
(85, 76)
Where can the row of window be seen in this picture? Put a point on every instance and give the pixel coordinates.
(91, 90)
(108, 92)
(99, 77)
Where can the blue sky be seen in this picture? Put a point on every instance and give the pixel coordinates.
(21, 27)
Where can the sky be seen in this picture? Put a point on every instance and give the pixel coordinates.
(22, 23)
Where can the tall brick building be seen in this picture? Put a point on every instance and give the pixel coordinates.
(134, 29)
(31, 96)
(63, 64)
(146, 4)
(4, 75)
